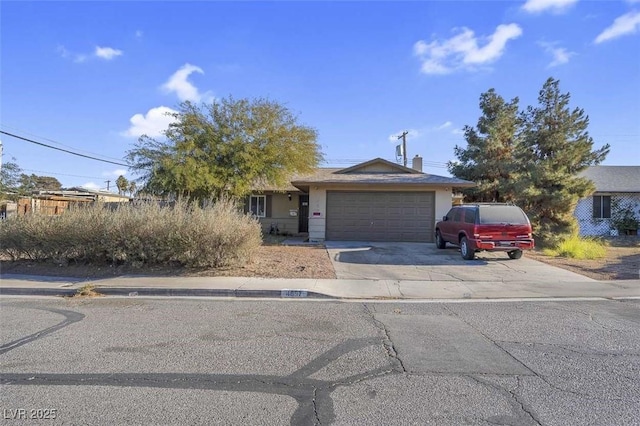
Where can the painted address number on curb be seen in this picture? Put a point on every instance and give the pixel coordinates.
(293, 293)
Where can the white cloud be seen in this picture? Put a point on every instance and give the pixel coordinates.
(457, 132)
(107, 53)
(556, 6)
(64, 53)
(444, 125)
(153, 124)
(116, 173)
(463, 50)
(183, 88)
(622, 25)
(90, 185)
(560, 54)
(67, 54)
(139, 33)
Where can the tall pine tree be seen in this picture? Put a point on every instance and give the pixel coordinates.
(556, 148)
(489, 158)
(532, 158)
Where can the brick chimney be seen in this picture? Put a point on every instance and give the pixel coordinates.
(416, 163)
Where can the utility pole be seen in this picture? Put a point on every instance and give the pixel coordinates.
(108, 182)
(403, 136)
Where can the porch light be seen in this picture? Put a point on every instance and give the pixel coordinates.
(289, 196)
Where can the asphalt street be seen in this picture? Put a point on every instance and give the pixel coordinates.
(136, 360)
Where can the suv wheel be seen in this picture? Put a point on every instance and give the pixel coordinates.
(465, 251)
(515, 254)
(440, 243)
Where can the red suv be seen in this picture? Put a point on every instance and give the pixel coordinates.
(491, 227)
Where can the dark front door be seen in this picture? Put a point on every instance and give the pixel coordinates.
(303, 214)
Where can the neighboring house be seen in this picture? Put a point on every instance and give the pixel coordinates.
(56, 202)
(617, 187)
(373, 201)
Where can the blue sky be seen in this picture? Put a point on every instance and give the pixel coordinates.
(92, 76)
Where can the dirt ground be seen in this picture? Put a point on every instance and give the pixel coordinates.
(621, 263)
(269, 261)
(274, 260)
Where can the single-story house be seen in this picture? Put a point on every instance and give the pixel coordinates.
(377, 200)
(617, 187)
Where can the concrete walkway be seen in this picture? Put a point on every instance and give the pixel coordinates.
(318, 288)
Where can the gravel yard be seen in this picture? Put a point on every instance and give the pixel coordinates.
(274, 260)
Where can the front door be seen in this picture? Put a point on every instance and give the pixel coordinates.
(303, 213)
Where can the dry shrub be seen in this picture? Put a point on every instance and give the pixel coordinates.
(185, 234)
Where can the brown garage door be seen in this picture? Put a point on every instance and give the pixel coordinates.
(380, 216)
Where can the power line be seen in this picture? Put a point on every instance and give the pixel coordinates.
(56, 142)
(63, 150)
(61, 174)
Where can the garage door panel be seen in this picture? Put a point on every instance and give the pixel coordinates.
(380, 216)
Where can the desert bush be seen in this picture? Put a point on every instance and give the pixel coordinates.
(186, 234)
(578, 248)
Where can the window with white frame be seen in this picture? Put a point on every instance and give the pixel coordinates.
(602, 206)
(258, 205)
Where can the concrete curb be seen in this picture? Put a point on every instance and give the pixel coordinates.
(179, 292)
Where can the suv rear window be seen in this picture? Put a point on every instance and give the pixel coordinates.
(502, 214)
(469, 216)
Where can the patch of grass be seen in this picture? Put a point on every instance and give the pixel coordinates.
(87, 290)
(578, 248)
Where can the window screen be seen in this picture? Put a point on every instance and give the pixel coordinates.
(602, 206)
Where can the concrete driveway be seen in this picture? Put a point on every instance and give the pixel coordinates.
(424, 262)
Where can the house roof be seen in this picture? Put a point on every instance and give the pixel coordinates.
(614, 178)
(96, 192)
(75, 194)
(362, 174)
(374, 172)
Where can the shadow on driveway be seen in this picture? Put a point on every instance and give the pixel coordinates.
(425, 262)
(423, 254)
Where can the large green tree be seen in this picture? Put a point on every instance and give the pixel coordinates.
(32, 182)
(556, 148)
(10, 179)
(223, 148)
(488, 158)
(531, 158)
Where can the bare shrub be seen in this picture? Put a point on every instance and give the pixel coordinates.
(186, 234)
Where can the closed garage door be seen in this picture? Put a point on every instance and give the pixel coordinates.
(380, 216)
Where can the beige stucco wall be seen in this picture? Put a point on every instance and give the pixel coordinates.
(318, 203)
(444, 201)
(280, 214)
(317, 213)
(377, 168)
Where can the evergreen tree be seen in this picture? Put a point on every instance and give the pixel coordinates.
(489, 158)
(557, 147)
(531, 158)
